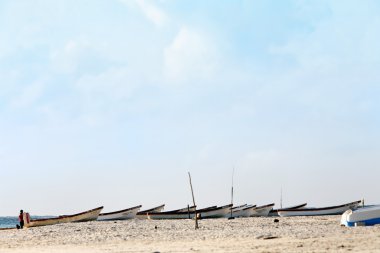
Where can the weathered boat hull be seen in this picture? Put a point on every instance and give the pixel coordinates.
(125, 214)
(205, 213)
(259, 211)
(367, 216)
(219, 212)
(90, 215)
(240, 211)
(144, 214)
(333, 210)
(274, 212)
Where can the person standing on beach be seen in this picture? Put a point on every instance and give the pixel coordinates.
(21, 218)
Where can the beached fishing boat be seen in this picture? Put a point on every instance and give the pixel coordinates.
(125, 214)
(240, 211)
(205, 213)
(90, 215)
(331, 210)
(273, 212)
(143, 214)
(214, 212)
(256, 211)
(366, 216)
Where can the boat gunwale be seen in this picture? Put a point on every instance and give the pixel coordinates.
(144, 212)
(258, 207)
(289, 208)
(121, 211)
(204, 210)
(310, 209)
(67, 216)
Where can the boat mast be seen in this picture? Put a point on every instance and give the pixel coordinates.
(195, 210)
(232, 192)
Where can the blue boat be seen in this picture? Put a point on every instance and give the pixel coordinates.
(366, 216)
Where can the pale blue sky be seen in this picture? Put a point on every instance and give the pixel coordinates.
(113, 102)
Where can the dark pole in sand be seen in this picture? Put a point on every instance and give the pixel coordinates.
(232, 193)
(195, 210)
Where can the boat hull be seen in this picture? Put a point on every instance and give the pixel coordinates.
(125, 214)
(333, 210)
(144, 214)
(367, 216)
(274, 212)
(259, 211)
(206, 213)
(90, 215)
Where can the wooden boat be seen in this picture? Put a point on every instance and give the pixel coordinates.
(125, 214)
(273, 212)
(205, 213)
(214, 212)
(331, 210)
(143, 214)
(366, 216)
(256, 211)
(190, 208)
(240, 211)
(90, 215)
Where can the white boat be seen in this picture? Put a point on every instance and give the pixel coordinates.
(143, 214)
(240, 211)
(125, 214)
(366, 216)
(212, 213)
(205, 213)
(256, 211)
(90, 215)
(331, 210)
(170, 215)
(274, 212)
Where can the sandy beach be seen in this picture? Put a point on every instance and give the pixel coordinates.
(295, 234)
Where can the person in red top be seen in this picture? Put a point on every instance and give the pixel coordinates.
(21, 218)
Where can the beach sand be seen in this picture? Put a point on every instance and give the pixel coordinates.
(292, 234)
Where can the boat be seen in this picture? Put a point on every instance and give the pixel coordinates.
(366, 216)
(125, 214)
(239, 211)
(256, 211)
(204, 213)
(143, 214)
(89, 215)
(273, 212)
(185, 209)
(214, 212)
(331, 210)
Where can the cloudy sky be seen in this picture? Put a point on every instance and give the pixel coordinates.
(112, 102)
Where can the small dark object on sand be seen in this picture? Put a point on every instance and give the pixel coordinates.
(155, 227)
(276, 220)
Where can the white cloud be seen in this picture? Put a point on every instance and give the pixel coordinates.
(29, 95)
(152, 12)
(107, 93)
(191, 55)
(337, 39)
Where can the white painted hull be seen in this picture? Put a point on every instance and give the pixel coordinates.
(319, 211)
(274, 212)
(173, 216)
(242, 211)
(208, 213)
(144, 214)
(120, 215)
(90, 215)
(367, 216)
(217, 213)
(259, 211)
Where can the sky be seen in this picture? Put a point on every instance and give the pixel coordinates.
(113, 102)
